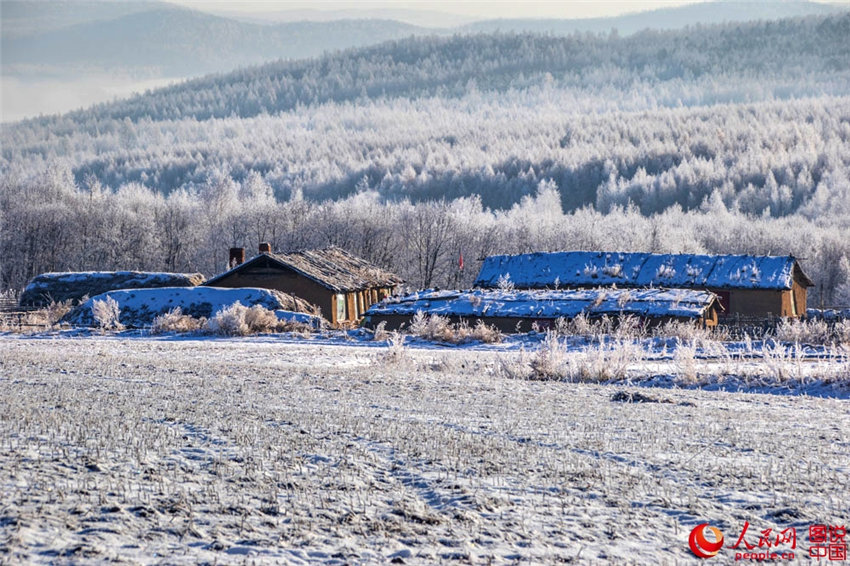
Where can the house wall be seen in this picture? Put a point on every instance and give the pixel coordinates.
(286, 281)
(800, 297)
(763, 302)
(758, 303)
(510, 325)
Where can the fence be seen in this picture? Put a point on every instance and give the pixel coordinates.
(14, 316)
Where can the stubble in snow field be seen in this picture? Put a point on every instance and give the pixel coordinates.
(230, 451)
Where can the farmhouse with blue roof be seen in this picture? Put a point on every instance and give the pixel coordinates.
(749, 286)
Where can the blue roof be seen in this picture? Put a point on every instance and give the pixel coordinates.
(590, 269)
(484, 303)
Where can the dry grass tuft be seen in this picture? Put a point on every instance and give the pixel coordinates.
(381, 334)
(440, 329)
(804, 331)
(175, 321)
(239, 320)
(549, 360)
(107, 314)
(396, 352)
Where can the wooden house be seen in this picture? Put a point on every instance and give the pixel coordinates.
(340, 284)
(747, 286)
(513, 310)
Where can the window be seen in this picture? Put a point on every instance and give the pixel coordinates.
(340, 307)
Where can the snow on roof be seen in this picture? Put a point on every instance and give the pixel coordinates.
(59, 287)
(482, 303)
(140, 306)
(331, 267)
(585, 269)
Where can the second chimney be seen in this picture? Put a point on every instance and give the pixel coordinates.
(265, 248)
(237, 257)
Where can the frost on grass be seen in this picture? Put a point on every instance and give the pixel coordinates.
(106, 314)
(175, 321)
(692, 357)
(814, 331)
(199, 451)
(440, 329)
(239, 320)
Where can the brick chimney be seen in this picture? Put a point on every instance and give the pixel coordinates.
(237, 257)
(265, 248)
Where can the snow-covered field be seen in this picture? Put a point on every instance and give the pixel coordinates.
(267, 450)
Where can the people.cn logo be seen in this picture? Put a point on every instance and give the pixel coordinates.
(703, 547)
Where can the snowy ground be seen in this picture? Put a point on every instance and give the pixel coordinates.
(270, 450)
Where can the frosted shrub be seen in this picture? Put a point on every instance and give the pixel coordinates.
(55, 311)
(504, 282)
(485, 333)
(175, 321)
(686, 362)
(548, 362)
(440, 329)
(604, 362)
(260, 319)
(381, 333)
(106, 314)
(629, 327)
(229, 321)
(581, 326)
(842, 331)
(803, 332)
(396, 351)
(239, 320)
(684, 331)
(432, 327)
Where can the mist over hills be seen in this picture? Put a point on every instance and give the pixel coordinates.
(704, 13)
(21, 18)
(155, 39)
(163, 40)
(60, 55)
(740, 62)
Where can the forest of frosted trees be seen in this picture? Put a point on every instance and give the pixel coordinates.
(724, 139)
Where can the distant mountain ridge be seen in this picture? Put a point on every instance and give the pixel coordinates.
(147, 39)
(703, 13)
(171, 41)
(811, 54)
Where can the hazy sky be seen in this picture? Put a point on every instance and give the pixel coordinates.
(473, 9)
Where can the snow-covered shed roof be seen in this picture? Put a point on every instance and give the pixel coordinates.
(74, 285)
(483, 303)
(333, 268)
(590, 269)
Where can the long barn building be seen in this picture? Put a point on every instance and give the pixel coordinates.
(747, 286)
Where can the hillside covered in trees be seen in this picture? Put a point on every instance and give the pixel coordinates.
(722, 139)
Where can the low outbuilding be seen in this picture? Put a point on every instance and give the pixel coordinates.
(520, 311)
